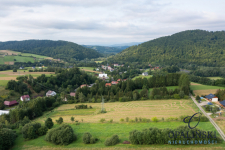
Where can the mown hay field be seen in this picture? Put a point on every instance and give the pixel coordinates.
(117, 110)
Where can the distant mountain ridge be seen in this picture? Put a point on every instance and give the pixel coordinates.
(55, 49)
(188, 47)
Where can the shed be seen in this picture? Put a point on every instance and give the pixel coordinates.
(10, 103)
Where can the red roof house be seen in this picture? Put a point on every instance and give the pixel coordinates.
(119, 80)
(10, 103)
(25, 98)
(72, 94)
(83, 85)
(108, 84)
(114, 82)
(124, 79)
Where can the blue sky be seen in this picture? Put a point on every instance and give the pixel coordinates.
(106, 22)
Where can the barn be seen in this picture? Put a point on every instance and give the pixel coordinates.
(10, 103)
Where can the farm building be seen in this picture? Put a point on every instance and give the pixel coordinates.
(50, 93)
(211, 97)
(10, 103)
(72, 94)
(4, 112)
(25, 98)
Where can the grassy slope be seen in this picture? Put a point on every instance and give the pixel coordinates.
(205, 87)
(3, 82)
(104, 130)
(215, 78)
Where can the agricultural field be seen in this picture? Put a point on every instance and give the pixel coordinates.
(116, 111)
(13, 56)
(200, 89)
(88, 69)
(141, 76)
(215, 78)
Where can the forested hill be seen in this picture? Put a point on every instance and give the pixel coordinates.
(55, 49)
(193, 46)
(105, 49)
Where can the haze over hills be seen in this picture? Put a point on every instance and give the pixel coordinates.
(187, 47)
(55, 49)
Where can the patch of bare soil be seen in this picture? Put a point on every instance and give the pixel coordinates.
(8, 52)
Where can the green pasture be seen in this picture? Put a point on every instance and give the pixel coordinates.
(1, 60)
(87, 68)
(205, 87)
(3, 82)
(104, 130)
(141, 76)
(98, 61)
(215, 78)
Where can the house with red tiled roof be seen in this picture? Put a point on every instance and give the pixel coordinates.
(25, 98)
(72, 94)
(10, 103)
(83, 85)
(119, 80)
(114, 82)
(108, 84)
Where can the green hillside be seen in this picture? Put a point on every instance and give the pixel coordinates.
(105, 50)
(55, 49)
(193, 46)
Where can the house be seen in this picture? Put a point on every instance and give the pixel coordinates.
(97, 69)
(108, 84)
(33, 67)
(115, 65)
(72, 94)
(4, 112)
(125, 71)
(144, 73)
(119, 80)
(50, 93)
(114, 82)
(211, 97)
(111, 70)
(124, 79)
(10, 103)
(25, 98)
(21, 67)
(83, 85)
(102, 75)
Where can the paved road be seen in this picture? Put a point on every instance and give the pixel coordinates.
(210, 119)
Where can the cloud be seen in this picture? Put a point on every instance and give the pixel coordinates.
(102, 21)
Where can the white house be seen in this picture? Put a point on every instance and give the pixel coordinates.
(4, 112)
(50, 93)
(102, 75)
(144, 73)
(25, 98)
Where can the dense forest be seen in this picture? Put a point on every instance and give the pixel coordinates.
(56, 49)
(196, 47)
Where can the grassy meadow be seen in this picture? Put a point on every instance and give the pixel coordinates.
(116, 111)
(215, 78)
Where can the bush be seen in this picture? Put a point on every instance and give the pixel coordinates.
(7, 138)
(112, 141)
(87, 138)
(82, 106)
(56, 104)
(127, 119)
(140, 119)
(136, 119)
(111, 121)
(176, 96)
(62, 135)
(42, 130)
(30, 130)
(48, 123)
(93, 140)
(122, 120)
(102, 120)
(60, 120)
(155, 119)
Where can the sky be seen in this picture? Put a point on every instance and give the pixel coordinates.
(106, 22)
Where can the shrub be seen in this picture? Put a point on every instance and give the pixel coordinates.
(62, 135)
(148, 120)
(111, 121)
(127, 119)
(176, 96)
(162, 119)
(102, 120)
(155, 119)
(186, 97)
(48, 123)
(82, 106)
(7, 138)
(144, 120)
(72, 119)
(60, 120)
(87, 138)
(112, 140)
(56, 104)
(136, 119)
(140, 119)
(42, 130)
(93, 140)
(30, 130)
(121, 120)
(204, 119)
(132, 120)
